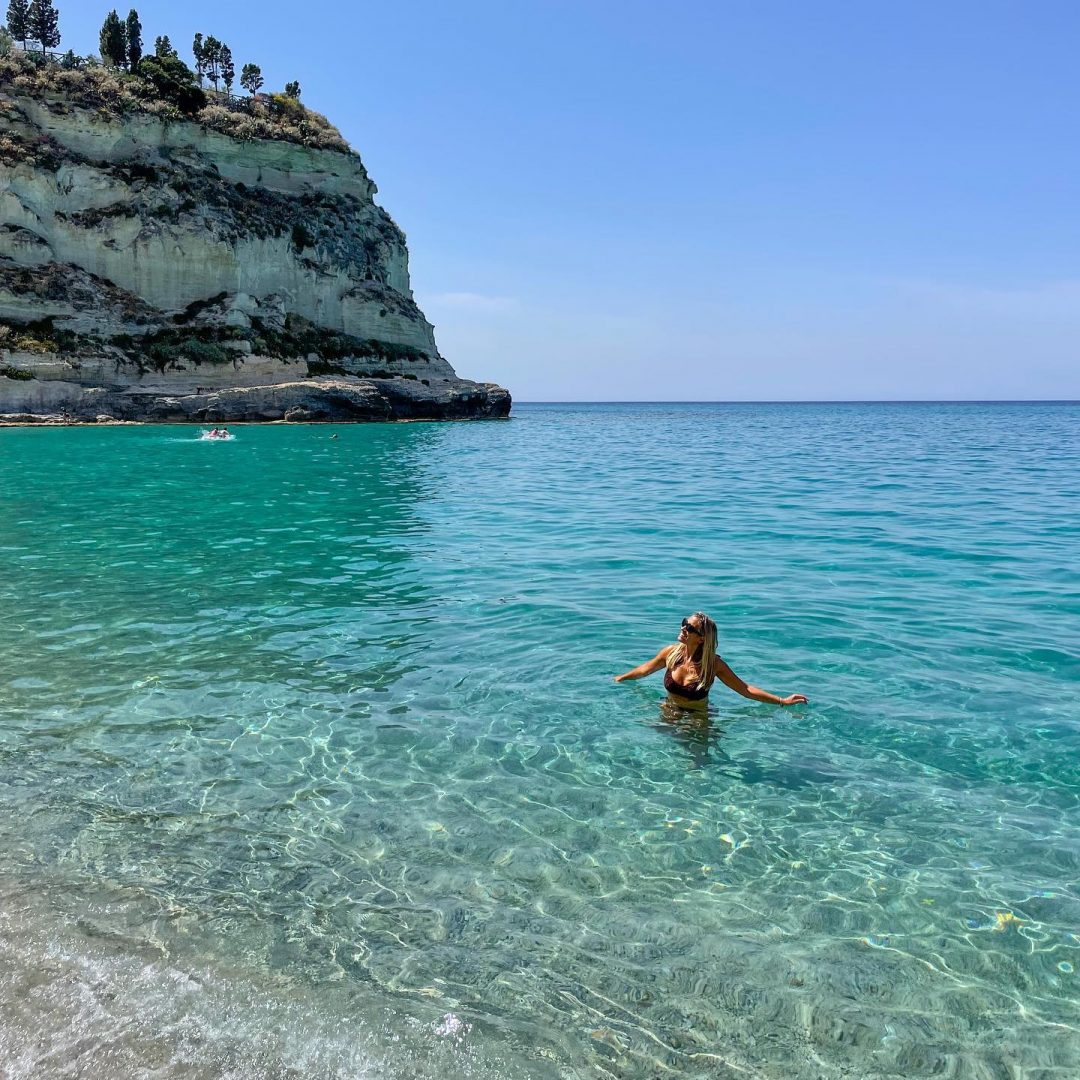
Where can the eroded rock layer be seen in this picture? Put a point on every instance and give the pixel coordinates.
(163, 271)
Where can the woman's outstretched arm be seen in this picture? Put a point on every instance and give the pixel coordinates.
(655, 664)
(733, 682)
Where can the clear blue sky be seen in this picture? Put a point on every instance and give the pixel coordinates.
(708, 200)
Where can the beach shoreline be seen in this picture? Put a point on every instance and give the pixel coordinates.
(117, 983)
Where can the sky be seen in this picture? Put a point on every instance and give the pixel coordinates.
(703, 199)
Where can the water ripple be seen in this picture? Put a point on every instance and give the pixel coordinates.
(329, 726)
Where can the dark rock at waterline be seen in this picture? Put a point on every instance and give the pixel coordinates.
(319, 400)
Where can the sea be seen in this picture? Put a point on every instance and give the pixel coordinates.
(312, 764)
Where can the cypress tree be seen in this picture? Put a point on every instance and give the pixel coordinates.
(18, 20)
(228, 69)
(292, 89)
(134, 40)
(112, 41)
(44, 24)
(198, 50)
(212, 59)
(163, 47)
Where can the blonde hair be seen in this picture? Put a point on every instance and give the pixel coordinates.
(705, 657)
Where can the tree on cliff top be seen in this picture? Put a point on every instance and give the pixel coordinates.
(228, 69)
(18, 20)
(112, 41)
(134, 40)
(164, 47)
(197, 50)
(44, 24)
(292, 89)
(212, 59)
(251, 78)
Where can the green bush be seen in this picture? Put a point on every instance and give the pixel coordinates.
(174, 81)
(140, 170)
(37, 337)
(170, 351)
(302, 237)
(287, 107)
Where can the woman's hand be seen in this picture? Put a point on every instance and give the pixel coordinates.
(795, 699)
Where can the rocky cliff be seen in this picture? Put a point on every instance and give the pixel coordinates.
(153, 268)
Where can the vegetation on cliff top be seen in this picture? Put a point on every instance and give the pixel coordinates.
(124, 81)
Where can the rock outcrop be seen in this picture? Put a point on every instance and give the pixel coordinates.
(156, 269)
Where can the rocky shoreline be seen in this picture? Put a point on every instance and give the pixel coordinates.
(50, 390)
(313, 404)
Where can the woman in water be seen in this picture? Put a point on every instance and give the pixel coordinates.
(691, 665)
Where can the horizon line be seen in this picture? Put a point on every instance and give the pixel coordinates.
(798, 401)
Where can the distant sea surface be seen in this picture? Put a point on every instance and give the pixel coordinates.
(311, 764)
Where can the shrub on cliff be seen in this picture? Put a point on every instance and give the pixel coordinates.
(42, 151)
(174, 81)
(301, 337)
(164, 354)
(287, 108)
(240, 125)
(255, 121)
(9, 372)
(302, 237)
(33, 338)
(92, 86)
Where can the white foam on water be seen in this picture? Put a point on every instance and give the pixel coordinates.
(74, 1006)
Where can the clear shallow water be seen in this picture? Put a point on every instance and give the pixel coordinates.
(307, 743)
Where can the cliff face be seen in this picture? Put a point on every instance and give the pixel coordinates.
(165, 271)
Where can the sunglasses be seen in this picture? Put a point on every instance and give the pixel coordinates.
(688, 625)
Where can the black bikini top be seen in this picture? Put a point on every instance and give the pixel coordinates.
(690, 693)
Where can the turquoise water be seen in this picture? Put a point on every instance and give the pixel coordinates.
(310, 744)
